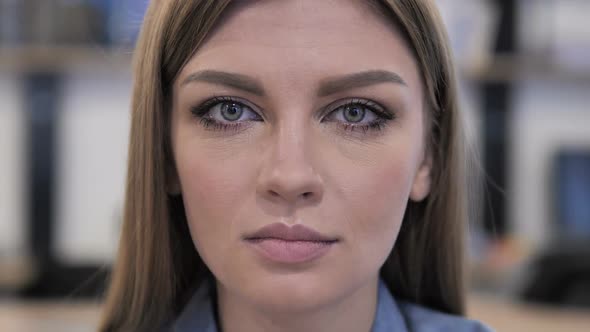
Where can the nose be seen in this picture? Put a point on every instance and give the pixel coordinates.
(287, 175)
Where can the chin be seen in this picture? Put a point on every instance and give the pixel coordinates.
(295, 299)
(291, 291)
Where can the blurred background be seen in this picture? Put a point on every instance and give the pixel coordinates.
(65, 86)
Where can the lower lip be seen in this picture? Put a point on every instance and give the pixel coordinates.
(291, 252)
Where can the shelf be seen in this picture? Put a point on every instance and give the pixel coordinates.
(505, 314)
(63, 58)
(16, 272)
(61, 315)
(507, 69)
(79, 58)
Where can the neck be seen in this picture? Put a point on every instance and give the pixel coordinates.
(354, 313)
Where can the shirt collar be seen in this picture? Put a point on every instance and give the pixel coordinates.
(198, 313)
(388, 316)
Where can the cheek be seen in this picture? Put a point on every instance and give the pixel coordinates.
(376, 203)
(215, 194)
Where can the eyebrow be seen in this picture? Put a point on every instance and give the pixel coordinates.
(327, 87)
(358, 80)
(233, 80)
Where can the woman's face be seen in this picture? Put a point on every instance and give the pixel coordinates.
(298, 113)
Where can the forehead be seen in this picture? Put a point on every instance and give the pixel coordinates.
(310, 37)
(302, 19)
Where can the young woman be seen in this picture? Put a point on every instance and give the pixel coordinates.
(293, 166)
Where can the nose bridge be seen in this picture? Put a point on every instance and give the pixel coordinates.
(289, 143)
(289, 172)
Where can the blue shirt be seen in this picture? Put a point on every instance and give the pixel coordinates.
(391, 315)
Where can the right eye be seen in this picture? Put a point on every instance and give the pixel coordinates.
(225, 113)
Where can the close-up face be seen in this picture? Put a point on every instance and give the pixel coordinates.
(307, 113)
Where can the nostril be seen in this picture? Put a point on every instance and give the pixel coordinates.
(306, 195)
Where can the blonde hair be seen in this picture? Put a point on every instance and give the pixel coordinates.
(157, 264)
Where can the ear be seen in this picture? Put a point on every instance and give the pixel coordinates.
(422, 179)
(172, 180)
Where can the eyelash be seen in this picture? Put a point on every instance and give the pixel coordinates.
(383, 117)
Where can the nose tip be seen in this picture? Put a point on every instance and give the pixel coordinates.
(290, 178)
(292, 184)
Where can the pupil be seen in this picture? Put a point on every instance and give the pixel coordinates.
(232, 111)
(354, 113)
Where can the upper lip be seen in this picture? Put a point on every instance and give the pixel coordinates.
(284, 232)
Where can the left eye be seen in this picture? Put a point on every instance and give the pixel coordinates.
(354, 114)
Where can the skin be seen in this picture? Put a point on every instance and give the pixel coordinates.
(289, 162)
